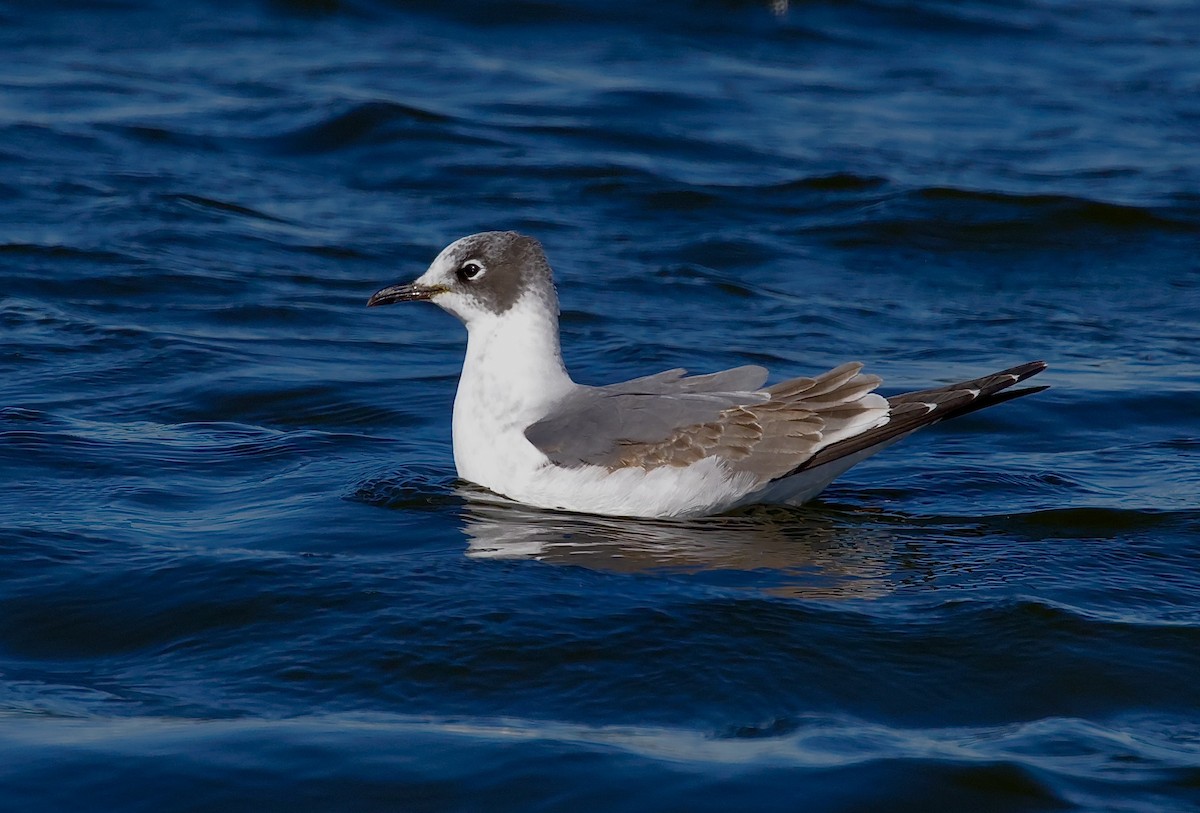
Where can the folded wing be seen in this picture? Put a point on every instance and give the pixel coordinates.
(670, 419)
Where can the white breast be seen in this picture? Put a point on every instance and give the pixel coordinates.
(489, 438)
(512, 373)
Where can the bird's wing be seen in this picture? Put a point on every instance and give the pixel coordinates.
(915, 410)
(672, 420)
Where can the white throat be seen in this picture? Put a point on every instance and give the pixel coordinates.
(513, 372)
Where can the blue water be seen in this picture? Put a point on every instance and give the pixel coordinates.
(237, 571)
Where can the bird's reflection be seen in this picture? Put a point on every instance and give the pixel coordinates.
(798, 552)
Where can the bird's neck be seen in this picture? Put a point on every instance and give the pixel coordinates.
(513, 369)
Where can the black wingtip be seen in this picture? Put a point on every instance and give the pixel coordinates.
(996, 381)
(995, 398)
(994, 389)
(1027, 370)
(989, 390)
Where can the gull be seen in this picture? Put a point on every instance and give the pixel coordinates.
(664, 445)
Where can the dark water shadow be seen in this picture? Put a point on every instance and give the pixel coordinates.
(809, 552)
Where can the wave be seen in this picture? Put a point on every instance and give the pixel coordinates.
(51, 251)
(225, 207)
(365, 123)
(1045, 763)
(43, 439)
(414, 488)
(943, 218)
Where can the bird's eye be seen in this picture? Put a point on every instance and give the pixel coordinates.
(470, 271)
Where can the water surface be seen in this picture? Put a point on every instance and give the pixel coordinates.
(237, 571)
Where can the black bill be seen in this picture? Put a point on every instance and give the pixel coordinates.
(409, 292)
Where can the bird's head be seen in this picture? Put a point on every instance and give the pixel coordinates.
(480, 277)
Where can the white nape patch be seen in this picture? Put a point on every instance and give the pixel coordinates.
(928, 407)
(974, 392)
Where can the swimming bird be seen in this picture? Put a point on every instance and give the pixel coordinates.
(664, 445)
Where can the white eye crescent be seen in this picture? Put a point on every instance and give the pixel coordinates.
(470, 271)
